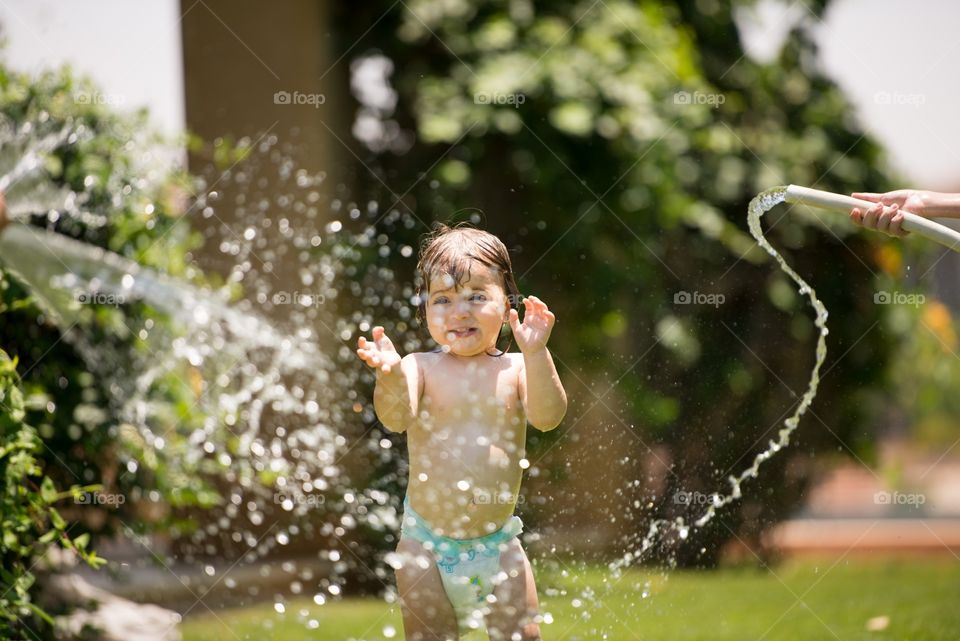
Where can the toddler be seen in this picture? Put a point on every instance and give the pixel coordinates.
(465, 408)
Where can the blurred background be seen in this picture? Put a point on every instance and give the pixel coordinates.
(290, 158)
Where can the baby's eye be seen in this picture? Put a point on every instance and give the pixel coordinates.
(441, 300)
(478, 297)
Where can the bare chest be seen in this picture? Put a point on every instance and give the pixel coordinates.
(481, 392)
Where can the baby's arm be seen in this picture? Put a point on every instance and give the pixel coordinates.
(541, 391)
(397, 394)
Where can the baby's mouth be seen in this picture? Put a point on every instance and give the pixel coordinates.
(461, 333)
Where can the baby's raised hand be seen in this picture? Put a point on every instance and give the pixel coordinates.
(379, 353)
(532, 334)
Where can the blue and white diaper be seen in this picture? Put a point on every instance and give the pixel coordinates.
(467, 567)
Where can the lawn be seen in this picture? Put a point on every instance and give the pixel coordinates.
(794, 601)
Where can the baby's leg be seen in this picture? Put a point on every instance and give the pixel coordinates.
(427, 613)
(511, 618)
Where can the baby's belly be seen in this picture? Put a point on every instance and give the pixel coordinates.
(463, 487)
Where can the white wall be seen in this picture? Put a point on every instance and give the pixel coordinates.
(131, 48)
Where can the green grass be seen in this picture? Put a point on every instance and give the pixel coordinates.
(795, 601)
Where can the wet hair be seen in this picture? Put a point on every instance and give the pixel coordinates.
(452, 250)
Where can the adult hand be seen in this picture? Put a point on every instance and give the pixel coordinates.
(881, 218)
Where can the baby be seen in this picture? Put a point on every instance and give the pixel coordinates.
(465, 408)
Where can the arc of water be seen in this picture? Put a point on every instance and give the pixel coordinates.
(760, 205)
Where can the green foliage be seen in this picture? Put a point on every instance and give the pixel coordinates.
(925, 366)
(29, 522)
(135, 206)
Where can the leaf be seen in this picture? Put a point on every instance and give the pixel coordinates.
(40, 613)
(48, 537)
(57, 520)
(48, 492)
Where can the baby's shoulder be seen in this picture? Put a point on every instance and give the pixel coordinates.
(516, 360)
(424, 361)
(514, 363)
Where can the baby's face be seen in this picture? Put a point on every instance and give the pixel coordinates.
(466, 321)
